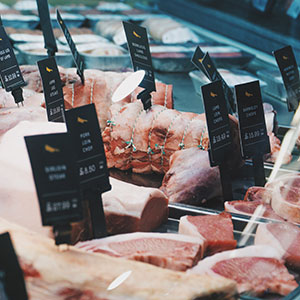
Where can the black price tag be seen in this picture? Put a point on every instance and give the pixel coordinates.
(197, 60)
(138, 45)
(52, 87)
(49, 38)
(217, 122)
(52, 161)
(76, 56)
(83, 126)
(287, 64)
(12, 285)
(11, 76)
(214, 75)
(253, 131)
(220, 139)
(84, 129)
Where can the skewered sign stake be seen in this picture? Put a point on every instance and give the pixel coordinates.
(76, 55)
(252, 127)
(138, 45)
(56, 181)
(288, 67)
(10, 73)
(204, 63)
(84, 129)
(218, 126)
(46, 25)
(52, 88)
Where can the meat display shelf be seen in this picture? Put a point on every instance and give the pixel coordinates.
(239, 223)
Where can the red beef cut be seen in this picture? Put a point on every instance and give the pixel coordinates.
(217, 230)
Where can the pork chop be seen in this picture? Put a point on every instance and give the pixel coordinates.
(256, 270)
(285, 237)
(167, 250)
(249, 207)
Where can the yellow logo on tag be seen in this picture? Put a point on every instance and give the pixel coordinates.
(137, 35)
(248, 94)
(212, 94)
(60, 22)
(200, 60)
(48, 69)
(80, 120)
(51, 149)
(285, 57)
(209, 65)
(0, 39)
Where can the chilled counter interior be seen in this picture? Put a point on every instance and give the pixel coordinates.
(144, 163)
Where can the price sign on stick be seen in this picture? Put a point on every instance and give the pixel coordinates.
(287, 64)
(56, 181)
(52, 87)
(10, 73)
(252, 126)
(213, 75)
(84, 129)
(218, 126)
(138, 45)
(76, 56)
(49, 38)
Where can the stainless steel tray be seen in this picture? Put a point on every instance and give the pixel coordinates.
(106, 63)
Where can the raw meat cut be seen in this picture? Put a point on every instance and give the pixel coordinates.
(284, 195)
(11, 114)
(127, 207)
(98, 88)
(256, 269)
(255, 193)
(190, 178)
(285, 237)
(144, 141)
(130, 208)
(248, 208)
(167, 250)
(18, 199)
(32, 77)
(75, 274)
(169, 31)
(217, 231)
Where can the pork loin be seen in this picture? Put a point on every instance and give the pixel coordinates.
(217, 230)
(144, 141)
(75, 274)
(256, 270)
(130, 208)
(167, 250)
(285, 237)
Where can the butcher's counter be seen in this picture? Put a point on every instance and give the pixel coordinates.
(187, 99)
